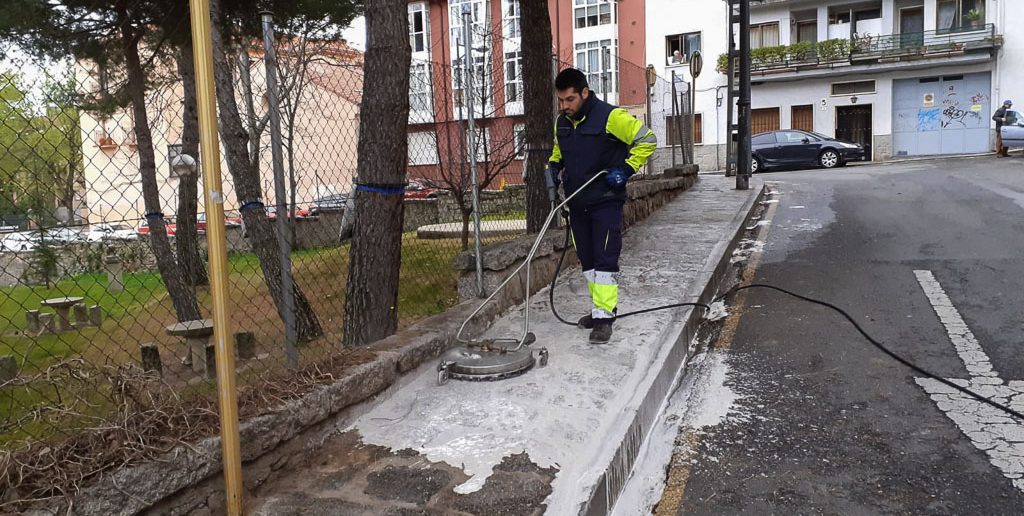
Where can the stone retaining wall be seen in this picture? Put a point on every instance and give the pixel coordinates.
(500, 259)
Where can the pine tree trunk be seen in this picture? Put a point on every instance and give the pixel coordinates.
(537, 89)
(182, 295)
(187, 234)
(261, 233)
(371, 303)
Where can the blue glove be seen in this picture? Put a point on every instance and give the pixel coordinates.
(617, 178)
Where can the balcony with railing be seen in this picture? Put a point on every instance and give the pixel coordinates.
(874, 53)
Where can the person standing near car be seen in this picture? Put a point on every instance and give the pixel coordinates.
(592, 136)
(1000, 118)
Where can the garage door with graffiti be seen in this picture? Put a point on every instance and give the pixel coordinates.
(942, 115)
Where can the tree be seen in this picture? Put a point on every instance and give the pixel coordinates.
(187, 234)
(40, 148)
(244, 172)
(539, 114)
(110, 35)
(371, 303)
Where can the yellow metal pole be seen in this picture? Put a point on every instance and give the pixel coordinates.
(202, 46)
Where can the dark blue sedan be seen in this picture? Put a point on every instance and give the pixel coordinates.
(792, 148)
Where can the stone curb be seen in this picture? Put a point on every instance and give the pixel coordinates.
(178, 482)
(605, 492)
(138, 488)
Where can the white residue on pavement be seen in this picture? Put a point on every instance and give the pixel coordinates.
(703, 400)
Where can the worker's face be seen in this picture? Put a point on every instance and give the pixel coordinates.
(570, 101)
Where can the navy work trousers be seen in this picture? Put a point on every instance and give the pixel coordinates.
(597, 235)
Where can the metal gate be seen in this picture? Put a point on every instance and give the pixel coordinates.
(853, 124)
(942, 115)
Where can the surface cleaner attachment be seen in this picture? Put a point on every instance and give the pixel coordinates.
(497, 359)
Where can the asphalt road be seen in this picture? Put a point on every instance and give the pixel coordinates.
(824, 423)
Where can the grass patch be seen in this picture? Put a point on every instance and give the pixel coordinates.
(142, 311)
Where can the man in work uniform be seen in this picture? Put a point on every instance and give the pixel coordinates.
(1000, 118)
(590, 136)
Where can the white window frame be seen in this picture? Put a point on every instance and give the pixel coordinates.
(589, 52)
(513, 82)
(511, 19)
(481, 60)
(422, 148)
(685, 51)
(591, 13)
(420, 83)
(422, 10)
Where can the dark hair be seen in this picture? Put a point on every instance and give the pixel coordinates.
(571, 78)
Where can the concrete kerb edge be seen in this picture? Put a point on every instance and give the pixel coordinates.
(609, 484)
(136, 488)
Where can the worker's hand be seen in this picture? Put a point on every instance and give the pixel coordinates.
(555, 174)
(617, 178)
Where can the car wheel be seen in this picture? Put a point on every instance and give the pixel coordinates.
(828, 159)
(755, 165)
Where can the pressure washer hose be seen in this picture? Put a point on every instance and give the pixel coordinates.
(529, 258)
(912, 366)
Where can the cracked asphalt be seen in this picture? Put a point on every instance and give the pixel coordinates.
(826, 424)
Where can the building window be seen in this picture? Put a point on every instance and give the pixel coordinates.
(419, 27)
(422, 148)
(682, 122)
(511, 16)
(842, 89)
(591, 13)
(954, 15)
(513, 76)
(764, 35)
(481, 58)
(679, 48)
(589, 60)
(807, 31)
(419, 88)
(519, 139)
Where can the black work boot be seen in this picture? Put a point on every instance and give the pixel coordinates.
(586, 322)
(602, 331)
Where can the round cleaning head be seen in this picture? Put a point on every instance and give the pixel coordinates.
(475, 364)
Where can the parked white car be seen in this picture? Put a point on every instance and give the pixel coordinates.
(1013, 130)
(62, 236)
(100, 232)
(19, 242)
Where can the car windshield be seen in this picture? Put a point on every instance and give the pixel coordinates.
(819, 135)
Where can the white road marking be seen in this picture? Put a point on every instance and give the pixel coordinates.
(991, 430)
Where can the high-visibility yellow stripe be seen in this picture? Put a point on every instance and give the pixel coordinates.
(606, 297)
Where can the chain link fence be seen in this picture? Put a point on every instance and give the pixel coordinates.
(105, 352)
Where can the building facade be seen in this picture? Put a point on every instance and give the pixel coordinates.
(604, 38)
(324, 130)
(902, 77)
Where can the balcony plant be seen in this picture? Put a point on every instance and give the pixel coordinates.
(973, 18)
(801, 51)
(834, 49)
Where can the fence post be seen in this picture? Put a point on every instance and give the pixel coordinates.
(283, 243)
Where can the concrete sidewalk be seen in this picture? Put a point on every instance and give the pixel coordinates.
(560, 439)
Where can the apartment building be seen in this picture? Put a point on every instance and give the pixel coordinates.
(325, 130)
(902, 77)
(604, 38)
